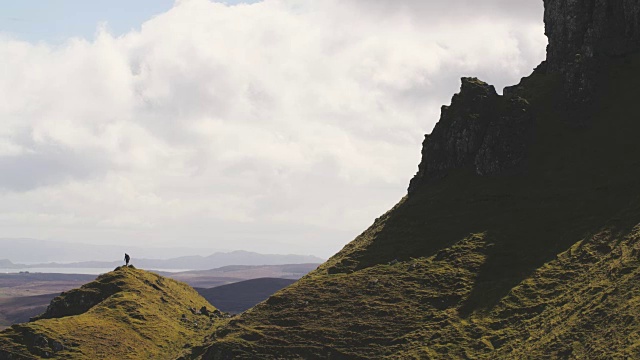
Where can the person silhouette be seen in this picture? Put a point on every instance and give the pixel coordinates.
(127, 258)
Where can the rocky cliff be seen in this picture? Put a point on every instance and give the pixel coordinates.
(584, 34)
(519, 236)
(490, 133)
(480, 130)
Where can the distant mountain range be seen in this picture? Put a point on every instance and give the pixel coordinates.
(32, 251)
(215, 260)
(236, 273)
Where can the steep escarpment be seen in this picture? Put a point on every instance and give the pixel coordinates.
(518, 237)
(585, 34)
(127, 314)
(480, 130)
(491, 133)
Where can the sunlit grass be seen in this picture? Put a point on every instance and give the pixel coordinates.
(141, 318)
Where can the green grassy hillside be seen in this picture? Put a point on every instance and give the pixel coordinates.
(540, 261)
(124, 314)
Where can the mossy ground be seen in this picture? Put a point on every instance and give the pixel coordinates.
(140, 318)
(541, 262)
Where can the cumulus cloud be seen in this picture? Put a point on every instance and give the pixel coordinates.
(284, 125)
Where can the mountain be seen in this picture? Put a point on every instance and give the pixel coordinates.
(215, 260)
(519, 236)
(127, 313)
(235, 273)
(6, 264)
(31, 251)
(240, 296)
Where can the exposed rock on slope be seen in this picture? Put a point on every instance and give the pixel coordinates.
(540, 259)
(124, 314)
(584, 33)
(480, 129)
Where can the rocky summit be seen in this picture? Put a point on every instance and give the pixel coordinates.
(125, 314)
(481, 129)
(583, 34)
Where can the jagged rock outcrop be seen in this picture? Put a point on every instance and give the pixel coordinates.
(489, 132)
(582, 33)
(481, 130)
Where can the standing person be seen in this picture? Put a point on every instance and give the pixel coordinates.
(127, 258)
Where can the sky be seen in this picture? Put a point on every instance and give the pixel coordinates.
(277, 126)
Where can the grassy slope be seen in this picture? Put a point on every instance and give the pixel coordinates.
(141, 319)
(531, 263)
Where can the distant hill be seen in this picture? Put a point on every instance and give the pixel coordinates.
(14, 310)
(127, 313)
(27, 284)
(238, 297)
(4, 263)
(235, 273)
(215, 260)
(31, 251)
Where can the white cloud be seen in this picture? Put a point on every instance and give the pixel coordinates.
(285, 125)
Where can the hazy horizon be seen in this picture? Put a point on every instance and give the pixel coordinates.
(278, 126)
(39, 252)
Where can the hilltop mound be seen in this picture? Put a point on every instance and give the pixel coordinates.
(519, 236)
(127, 313)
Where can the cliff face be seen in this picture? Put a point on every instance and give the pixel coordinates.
(489, 133)
(480, 130)
(590, 29)
(584, 33)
